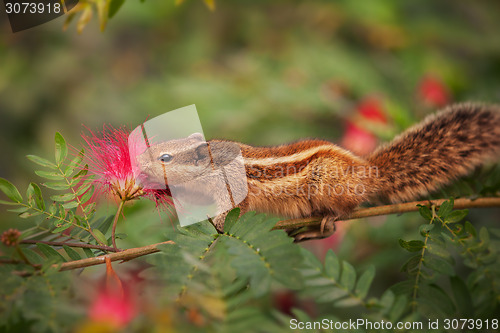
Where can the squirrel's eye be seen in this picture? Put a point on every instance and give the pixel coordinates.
(165, 158)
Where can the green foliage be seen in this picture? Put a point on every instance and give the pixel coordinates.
(335, 282)
(33, 303)
(248, 248)
(227, 275)
(55, 217)
(452, 255)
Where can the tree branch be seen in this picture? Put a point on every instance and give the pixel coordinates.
(391, 209)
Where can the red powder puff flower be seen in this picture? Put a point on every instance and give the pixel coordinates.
(109, 161)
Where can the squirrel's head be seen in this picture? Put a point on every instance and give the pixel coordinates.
(174, 162)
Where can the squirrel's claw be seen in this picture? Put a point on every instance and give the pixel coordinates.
(324, 230)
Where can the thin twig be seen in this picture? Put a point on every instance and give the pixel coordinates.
(80, 245)
(390, 209)
(9, 261)
(124, 255)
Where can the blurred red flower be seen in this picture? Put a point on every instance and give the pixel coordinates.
(114, 306)
(433, 92)
(115, 310)
(358, 137)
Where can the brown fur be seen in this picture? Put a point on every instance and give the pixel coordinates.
(436, 151)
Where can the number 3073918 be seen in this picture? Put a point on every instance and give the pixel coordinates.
(32, 7)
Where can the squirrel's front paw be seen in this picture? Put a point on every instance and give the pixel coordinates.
(324, 230)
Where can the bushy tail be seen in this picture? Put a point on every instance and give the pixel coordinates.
(436, 151)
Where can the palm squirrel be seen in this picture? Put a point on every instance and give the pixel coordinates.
(316, 177)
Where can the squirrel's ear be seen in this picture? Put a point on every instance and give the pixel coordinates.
(197, 136)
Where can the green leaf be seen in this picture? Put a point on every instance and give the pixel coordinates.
(82, 172)
(387, 300)
(58, 186)
(71, 253)
(77, 219)
(49, 175)
(63, 197)
(61, 227)
(48, 265)
(435, 300)
(398, 308)
(89, 208)
(105, 225)
(88, 195)
(114, 6)
(83, 188)
(319, 281)
(70, 205)
(461, 295)
(348, 278)
(410, 266)
(439, 265)
(41, 161)
(470, 229)
(19, 210)
(49, 252)
(231, 219)
(100, 236)
(25, 215)
(62, 211)
(74, 163)
(9, 203)
(403, 287)
(347, 302)
(301, 315)
(411, 246)
(425, 212)
(32, 256)
(10, 190)
(88, 253)
(61, 148)
(425, 229)
(445, 208)
(364, 282)
(438, 250)
(332, 265)
(484, 235)
(456, 216)
(34, 194)
(310, 259)
(330, 295)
